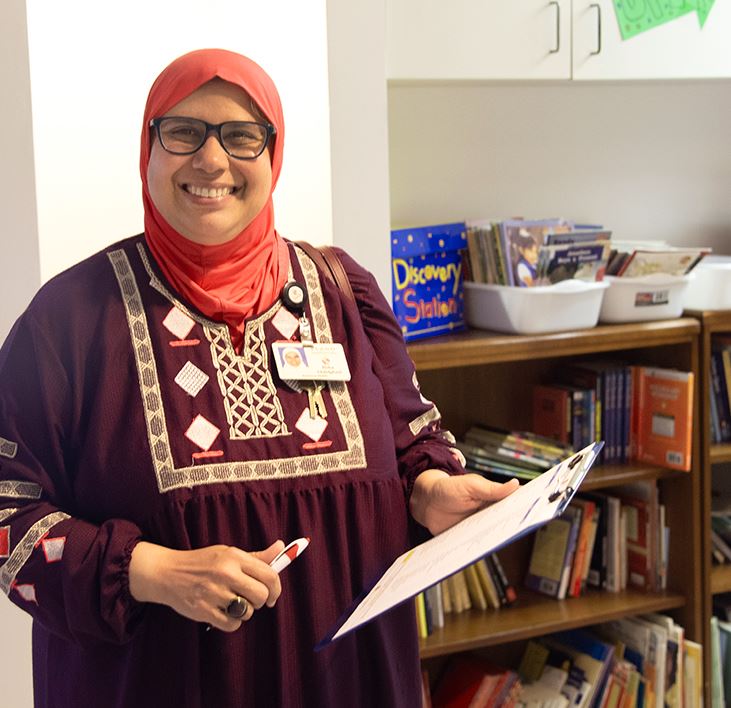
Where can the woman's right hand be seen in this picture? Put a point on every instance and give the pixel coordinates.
(200, 584)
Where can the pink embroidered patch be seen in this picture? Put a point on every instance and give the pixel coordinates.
(4, 541)
(27, 592)
(178, 323)
(202, 432)
(285, 322)
(53, 548)
(207, 454)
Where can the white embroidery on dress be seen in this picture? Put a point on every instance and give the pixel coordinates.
(18, 489)
(7, 513)
(8, 448)
(22, 552)
(418, 424)
(191, 379)
(168, 476)
(253, 409)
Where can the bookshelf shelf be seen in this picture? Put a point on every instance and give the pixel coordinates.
(605, 476)
(720, 579)
(480, 347)
(534, 615)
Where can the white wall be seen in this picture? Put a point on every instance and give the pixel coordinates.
(92, 64)
(18, 282)
(650, 160)
(359, 128)
(18, 233)
(70, 183)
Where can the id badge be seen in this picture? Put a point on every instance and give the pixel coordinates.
(312, 362)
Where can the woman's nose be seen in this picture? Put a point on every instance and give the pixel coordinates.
(211, 156)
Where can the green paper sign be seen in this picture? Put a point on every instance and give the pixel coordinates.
(636, 16)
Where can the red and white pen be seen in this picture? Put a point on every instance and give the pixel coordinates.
(289, 553)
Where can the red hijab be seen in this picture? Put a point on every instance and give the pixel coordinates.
(240, 278)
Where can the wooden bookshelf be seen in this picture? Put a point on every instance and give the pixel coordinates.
(486, 377)
(716, 579)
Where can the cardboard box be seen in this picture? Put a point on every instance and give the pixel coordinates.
(426, 272)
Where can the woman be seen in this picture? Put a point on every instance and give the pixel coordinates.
(152, 461)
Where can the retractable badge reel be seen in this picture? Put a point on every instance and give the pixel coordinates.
(294, 298)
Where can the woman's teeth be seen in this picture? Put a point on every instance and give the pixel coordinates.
(208, 192)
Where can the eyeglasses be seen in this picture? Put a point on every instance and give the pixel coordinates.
(244, 140)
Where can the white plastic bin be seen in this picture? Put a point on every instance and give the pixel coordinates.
(657, 296)
(570, 304)
(711, 287)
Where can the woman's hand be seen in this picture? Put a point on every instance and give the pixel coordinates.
(439, 500)
(200, 584)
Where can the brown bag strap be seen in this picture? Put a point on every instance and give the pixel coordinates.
(330, 264)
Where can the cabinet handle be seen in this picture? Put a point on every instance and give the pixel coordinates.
(598, 28)
(558, 27)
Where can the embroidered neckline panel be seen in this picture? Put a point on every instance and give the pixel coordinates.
(262, 419)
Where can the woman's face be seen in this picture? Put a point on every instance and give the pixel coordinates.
(236, 190)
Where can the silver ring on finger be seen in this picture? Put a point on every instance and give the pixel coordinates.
(237, 608)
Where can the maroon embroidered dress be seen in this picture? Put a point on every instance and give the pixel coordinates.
(126, 415)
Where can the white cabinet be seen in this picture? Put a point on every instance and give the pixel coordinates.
(677, 49)
(478, 39)
(560, 39)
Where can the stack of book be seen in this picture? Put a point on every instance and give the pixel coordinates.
(642, 413)
(483, 585)
(606, 541)
(635, 262)
(721, 389)
(638, 661)
(499, 454)
(527, 253)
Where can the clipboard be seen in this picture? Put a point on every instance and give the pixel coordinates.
(486, 531)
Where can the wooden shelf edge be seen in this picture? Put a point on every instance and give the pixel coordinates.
(720, 579)
(476, 347)
(720, 453)
(534, 615)
(604, 476)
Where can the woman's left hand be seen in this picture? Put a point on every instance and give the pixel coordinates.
(439, 500)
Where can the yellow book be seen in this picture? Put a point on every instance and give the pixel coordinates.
(446, 597)
(488, 584)
(477, 596)
(421, 616)
(456, 595)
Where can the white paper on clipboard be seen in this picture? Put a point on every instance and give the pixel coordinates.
(530, 506)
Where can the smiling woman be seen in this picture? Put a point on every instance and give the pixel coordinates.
(153, 459)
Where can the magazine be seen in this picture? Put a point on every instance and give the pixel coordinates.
(671, 261)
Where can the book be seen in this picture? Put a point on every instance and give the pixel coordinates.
(498, 573)
(552, 412)
(477, 596)
(693, 672)
(554, 546)
(577, 570)
(672, 261)
(567, 261)
(640, 503)
(664, 410)
(520, 240)
(488, 584)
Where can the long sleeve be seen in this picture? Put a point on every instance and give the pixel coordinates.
(421, 443)
(68, 573)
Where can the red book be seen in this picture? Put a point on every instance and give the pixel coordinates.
(664, 417)
(552, 412)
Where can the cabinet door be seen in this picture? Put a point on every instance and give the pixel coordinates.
(478, 39)
(674, 49)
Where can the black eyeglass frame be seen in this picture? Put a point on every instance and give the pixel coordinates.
(271, 131)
